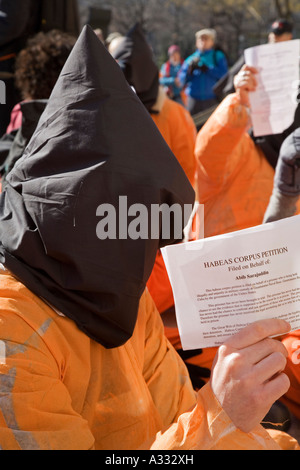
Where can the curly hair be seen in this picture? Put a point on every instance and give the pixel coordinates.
(38, 65)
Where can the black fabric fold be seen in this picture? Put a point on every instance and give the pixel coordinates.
(135, 58)
(94, 143)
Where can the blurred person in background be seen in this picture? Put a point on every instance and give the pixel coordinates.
(280, 31)
(19, 19)
(202, 70)
(169, 74)
(37, 69)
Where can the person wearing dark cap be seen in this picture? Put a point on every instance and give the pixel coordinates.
(280, 31)
(169, 74)
(84, 362)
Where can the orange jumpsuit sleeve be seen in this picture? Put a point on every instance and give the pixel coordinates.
(215, 145)
(206, 426)
(35, 407)
(292, 398)
(183, 139)
(179, 131)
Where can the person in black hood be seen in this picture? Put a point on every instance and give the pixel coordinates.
(135, 58)
(134, 55)
(176, 125)
(84, 362)
(63, 270)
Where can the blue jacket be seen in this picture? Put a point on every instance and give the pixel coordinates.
(167, 77)
(199, 85)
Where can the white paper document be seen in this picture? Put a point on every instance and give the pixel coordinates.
(274, 103)
(222, 284)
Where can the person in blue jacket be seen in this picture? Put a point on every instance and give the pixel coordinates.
(168, 74)
(201, 71)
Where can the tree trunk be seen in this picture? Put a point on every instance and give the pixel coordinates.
(283, 11)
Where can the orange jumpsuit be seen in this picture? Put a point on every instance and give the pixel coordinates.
(235, 183)
(178, 130)
(292, 398)
(61, 390)
(234, 179)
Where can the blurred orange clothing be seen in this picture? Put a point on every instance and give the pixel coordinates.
(292, 398)
(63, 391)
(235, 183)
(234, 179)
(179, 131)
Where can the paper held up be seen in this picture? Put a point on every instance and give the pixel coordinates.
(274, 102)
(222, 284)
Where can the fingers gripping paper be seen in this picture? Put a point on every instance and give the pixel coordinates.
(224, 283)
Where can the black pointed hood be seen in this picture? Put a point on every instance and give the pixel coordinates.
(95, 142)
(136, 60)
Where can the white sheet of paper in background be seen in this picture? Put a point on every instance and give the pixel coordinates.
(222, 284)
(274, 103)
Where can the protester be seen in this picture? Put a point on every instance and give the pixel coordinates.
(201, 71)
(235, 174)
(169, 74)
(18, 20)
(281, 30)
(174, 123)
(37, 69)
(85, 364)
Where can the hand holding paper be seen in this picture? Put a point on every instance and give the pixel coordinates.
(245, 82)
(273, 104)
(224, 283)
(248, 374)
